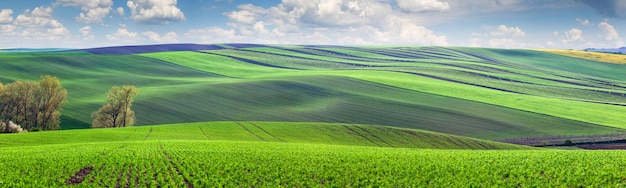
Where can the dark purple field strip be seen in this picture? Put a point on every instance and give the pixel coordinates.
(244, 45)
(517, 66)
(126, 50)
(359, 58)
(434, 53)
(606, 83)
(457, 81)
(313, 59)
(251, 61)
(385, 53)
(346, 56)
(500, 89)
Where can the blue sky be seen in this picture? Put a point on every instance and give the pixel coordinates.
(563, 24)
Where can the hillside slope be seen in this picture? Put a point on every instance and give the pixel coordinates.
(481, 93)
(308, 133)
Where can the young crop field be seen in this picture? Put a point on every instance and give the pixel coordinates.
(266, 154)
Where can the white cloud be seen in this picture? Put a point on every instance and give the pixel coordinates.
(155, 11)
(120, 11)
(583, 22)
(573, 35)
(213, 35)
(247, 14)
(501, 37)
(610, 34)
(5, 16)
(323, 22)
(169, 37)
(503, 30)
(423, 5)
(93, 11)
(124, 36)
(85, 30)
(39, 24)
(7, 29)
(555, 33)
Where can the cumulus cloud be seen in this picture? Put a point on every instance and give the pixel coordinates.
(169, 37)
(583, 22)
(93, 11)
(503, 30)
(6, 16)
(124, 36)
(39, 24)
(609, 8)
(155, 11)
(502, 36)
(120, 11)
(610, 34)
(423, 5)
(573, 35)
(323, 22)
(85, 30)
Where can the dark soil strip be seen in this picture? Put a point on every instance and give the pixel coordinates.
(460, 82)
(148, 135)
(176, 168)
(79, 176)
(603, 146)
(268, 133)
(312, 59)
(203, 133)
(373, 135)
(244, 127)
(250, 61)
(361, 135)
(558, 140)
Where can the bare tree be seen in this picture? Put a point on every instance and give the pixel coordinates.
(117, 111)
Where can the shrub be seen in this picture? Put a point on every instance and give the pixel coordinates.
(568, 143)
(10, 127)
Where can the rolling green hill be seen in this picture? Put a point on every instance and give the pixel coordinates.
(285, 132)
(480, 93)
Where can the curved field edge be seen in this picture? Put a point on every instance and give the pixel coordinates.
(269, 164)
(285, 132)
(600, 114)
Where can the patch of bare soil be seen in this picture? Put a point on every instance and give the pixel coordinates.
(79, 176)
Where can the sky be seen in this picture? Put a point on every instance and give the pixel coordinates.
(560, 24)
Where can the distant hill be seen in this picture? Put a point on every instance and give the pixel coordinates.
(621, 50)
(120, 50)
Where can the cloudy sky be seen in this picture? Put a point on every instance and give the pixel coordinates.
(562, 24)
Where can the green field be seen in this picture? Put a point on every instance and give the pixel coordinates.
(264, 154)
(481, 93)
(317, 116)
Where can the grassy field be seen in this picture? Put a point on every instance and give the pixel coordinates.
(481, 93)
(262, 154)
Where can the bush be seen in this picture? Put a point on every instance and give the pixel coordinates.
(10, 127)
(568, 143)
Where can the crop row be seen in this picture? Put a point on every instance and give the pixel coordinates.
(260, 164)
